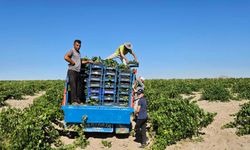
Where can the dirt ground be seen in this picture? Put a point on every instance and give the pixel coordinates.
(214, 137)
(118, 142)
(28, 100)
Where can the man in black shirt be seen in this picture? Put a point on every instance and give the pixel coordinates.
(142, 118)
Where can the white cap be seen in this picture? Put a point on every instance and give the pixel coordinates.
(142, 78)
(128, 45)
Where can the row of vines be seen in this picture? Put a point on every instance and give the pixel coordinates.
(172, 117)
(35, 127)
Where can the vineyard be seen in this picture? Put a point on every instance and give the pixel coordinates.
(171, 116)
(17, 89)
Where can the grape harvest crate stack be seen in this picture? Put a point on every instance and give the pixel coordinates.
(109, 99)
(109, 85)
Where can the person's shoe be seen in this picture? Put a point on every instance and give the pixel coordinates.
(143, 146)
(75, 103)
(137, 140)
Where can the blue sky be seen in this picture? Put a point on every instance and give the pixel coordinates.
(172, 38)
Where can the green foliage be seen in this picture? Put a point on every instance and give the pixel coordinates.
(17, 89)
(213, 89)
(123, 67)
(85, 58)
(172, 117)
(242, 120)
(242, 87)
(172, 88)
(106, 144)
(32, 128)
(110, 63)
(97, 59)
(214, 92)
(81, 141)
(175, 119)
(133, 63)
(93, 102)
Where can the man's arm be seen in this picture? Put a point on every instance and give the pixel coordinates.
(86, 61)
(138, 110)
(123, 56)
(135, 57)
(67, 57)
(134, 86)
(140, 83)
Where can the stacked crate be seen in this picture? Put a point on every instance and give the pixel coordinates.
(109, 85)
(94, 84)
(124, 87)
(83, 82)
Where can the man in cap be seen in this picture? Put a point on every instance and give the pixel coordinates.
(142, 117)
(138, 84)
(123, 50)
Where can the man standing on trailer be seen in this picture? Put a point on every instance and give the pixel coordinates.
(123, 50)
(142, 117)
(73, 56)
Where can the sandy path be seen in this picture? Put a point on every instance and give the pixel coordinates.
(96, 142)
(95, 139)
(117, 143)
(28, 100)
(216, 138)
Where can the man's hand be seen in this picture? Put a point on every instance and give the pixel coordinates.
(87, 61)
(73, 63)
(126, 60)
(90, 61)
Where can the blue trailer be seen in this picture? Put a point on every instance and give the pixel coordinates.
(108, 96)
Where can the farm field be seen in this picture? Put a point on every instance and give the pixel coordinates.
(125, 75)
(183, 114)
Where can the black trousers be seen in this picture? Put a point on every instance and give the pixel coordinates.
(140, 129)
(75, 85)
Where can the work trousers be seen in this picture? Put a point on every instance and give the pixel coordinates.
(140, 129)
(74, 82)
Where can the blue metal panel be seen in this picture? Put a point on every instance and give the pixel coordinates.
(97, 114)
(66, 87)
(132, 82)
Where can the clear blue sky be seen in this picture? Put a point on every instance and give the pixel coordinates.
(172, 38)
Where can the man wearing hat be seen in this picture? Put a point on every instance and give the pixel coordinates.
(138, 84)
(123, 50)
(142, 117)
